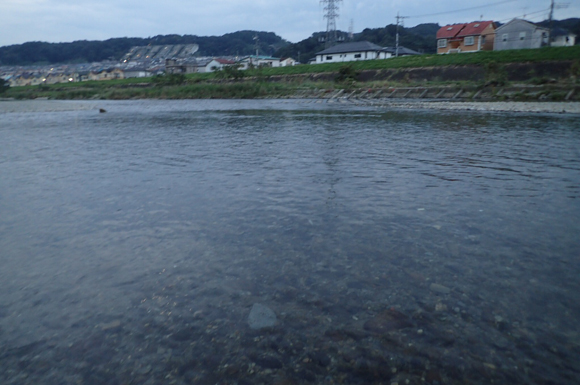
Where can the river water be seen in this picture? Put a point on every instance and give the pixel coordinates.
(386, 246)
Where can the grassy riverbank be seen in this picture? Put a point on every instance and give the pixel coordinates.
(424, 70)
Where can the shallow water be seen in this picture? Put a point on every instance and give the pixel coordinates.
(392, 246)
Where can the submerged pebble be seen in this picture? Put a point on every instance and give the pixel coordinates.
(261, 316)
(437, 288)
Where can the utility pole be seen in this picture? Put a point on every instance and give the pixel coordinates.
(257, 45)
(401, 18)
(331, 14)
(351, 30)
(551, 24)
(552, 7)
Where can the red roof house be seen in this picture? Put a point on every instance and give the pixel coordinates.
(468, 37)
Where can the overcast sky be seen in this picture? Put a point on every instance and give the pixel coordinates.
(68, 20)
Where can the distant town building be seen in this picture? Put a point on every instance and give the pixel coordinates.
(257, 61)
(160, 52)
(466, 37)
(137, 72)
(287, 62)
(200, 65)
(180, 66)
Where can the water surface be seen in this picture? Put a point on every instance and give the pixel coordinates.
(392, 245)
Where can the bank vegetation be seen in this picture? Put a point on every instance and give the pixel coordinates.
(553, 66)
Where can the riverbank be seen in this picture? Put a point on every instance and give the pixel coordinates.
(14, 106)
(535, 107)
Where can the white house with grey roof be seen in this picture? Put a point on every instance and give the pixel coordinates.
(360, 50)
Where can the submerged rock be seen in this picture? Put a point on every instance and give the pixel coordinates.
(387, 321)
(261, 316)
(437, 288)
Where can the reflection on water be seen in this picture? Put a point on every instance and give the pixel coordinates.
(391, 246)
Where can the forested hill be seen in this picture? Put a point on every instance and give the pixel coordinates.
(420, 38)
(83, 51)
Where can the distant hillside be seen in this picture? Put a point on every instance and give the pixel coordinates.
(572, 25)
(420, 38)
(82, 51)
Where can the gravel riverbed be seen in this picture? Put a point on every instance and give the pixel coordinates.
(536, 107)
(539, 107)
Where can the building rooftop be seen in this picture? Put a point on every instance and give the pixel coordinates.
(357, 46)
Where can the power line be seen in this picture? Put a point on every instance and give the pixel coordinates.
(525, 16)
(462, 10)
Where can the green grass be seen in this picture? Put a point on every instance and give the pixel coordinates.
(476, 58)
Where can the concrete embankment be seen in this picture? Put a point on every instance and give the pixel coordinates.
(545, 81)
(466, 92)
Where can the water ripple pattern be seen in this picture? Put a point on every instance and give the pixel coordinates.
(388, 245)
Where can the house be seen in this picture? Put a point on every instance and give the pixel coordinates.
(360, 50)
(83, 76)
(180, 66)
(520, 34)
(107, 74)
(211, 64)
(206, 65)
(288, 62)
(257, 61)
(27, 79)
(562, 38)
(137, 72)
(61, 77)
(389, 52)
(466, 37)
(225, 62)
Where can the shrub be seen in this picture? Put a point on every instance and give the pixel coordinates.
(346, 73)
(3, 85)
(168, 79)
(495, 74)
(230, 72)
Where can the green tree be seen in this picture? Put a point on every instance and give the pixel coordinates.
(230, 72)
(3, 85)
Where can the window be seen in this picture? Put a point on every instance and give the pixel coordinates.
(469, 40)
(522, 35)
(450, 28)
(476, 25)
(357, 55)
(504, 37)
(442, 43)
(329, 58)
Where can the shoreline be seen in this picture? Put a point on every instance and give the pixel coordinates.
(23, 106)
(499, 106)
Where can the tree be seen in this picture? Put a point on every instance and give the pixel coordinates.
(3, 85)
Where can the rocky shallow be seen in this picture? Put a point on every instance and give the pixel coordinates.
(391, 320)
(500, 106)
